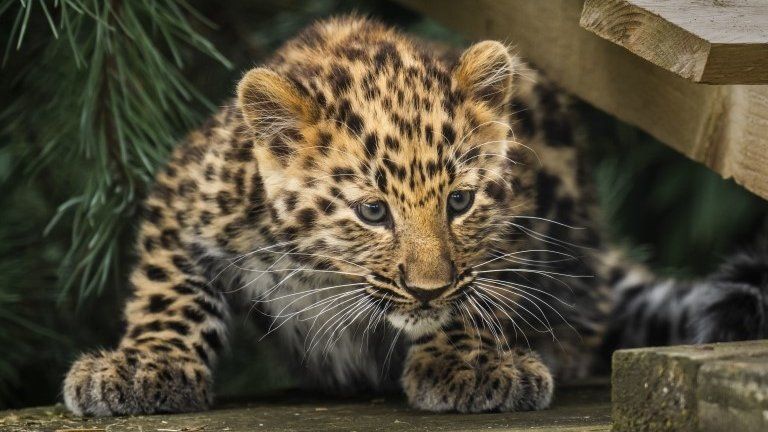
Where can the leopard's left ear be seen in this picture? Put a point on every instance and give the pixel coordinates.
(275, 108)
(485, 71)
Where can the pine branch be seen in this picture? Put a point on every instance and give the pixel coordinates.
(112, 101)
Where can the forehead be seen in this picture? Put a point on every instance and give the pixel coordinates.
(388, 114)
(396, 88)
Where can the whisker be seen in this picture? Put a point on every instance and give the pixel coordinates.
(328, 306)
(548, 326)
(332, 319)
(234, 263)
(503, 310)
(305, 269)
(379, 314)
(517, 291)
(545, 238)
(501, 179)
(388, 357)
(492, 321)
(512, 161)
(489, 289)
(309, 292)
(330, 257)
(550, 221)
(503, 254)
(353, 317)
(373, 322)
(472, 319)
(327, 301)
(490, 302)
(534, 263)
(541, 272)
(269, 290)
(521, 252)
(243, 256)
(525, 319)
(318, 303)
(523, 287)
(482, 317)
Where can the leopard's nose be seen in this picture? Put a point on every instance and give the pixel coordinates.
(425, 295)
(425, 289)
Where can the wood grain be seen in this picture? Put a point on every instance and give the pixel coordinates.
(722, 126)
(585, 407)
(718, 42)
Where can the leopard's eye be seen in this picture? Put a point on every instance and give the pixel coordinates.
(374, 213)
(459, 202)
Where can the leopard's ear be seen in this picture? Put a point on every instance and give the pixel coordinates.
(275, 108)
(485, 71)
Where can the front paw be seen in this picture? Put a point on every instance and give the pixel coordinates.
(480, 381)
(119, 383)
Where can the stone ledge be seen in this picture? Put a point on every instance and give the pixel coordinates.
(733, 395)
(711, 387)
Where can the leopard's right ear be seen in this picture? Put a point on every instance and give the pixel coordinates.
(273, 106)
(486, 70)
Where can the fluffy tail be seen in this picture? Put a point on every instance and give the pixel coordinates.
(730, 305)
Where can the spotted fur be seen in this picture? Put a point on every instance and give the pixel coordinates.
(472, 310)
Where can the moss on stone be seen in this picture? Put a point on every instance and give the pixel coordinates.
(663, 389)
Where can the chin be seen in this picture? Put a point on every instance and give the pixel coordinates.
(418, 322)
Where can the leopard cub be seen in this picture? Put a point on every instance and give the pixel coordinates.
(399, 216)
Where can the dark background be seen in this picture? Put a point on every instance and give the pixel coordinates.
(84, 122)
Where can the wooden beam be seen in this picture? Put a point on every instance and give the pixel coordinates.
(717, 42)
(581, 408)
(723, 126)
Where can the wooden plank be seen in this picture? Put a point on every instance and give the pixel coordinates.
(576, 409)
(723, 126)
(691, 388)
(717, 42)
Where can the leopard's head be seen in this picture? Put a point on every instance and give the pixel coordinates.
(390, 167)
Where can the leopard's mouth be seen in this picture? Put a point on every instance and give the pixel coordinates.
(419, 321)
(416, 318)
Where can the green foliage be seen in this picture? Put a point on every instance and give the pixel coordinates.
(95, 94)
(676, 214)
(97, 100)
(109, 100)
